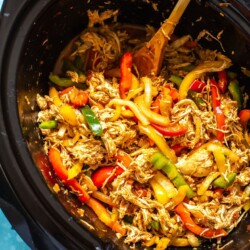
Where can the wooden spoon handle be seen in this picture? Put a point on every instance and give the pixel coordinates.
(149, 58)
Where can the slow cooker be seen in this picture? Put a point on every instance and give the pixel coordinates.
(32, 35)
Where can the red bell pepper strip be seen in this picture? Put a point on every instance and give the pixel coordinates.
(62, 173)
(103, 173)
(244, 116)
(170, 130)
(197, 85)
(126, 74)
(222, 83)
(188, 222)
(220, 117)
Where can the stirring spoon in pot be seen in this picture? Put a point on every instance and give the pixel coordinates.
(148, 59)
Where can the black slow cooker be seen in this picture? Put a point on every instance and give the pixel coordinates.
(32, 34)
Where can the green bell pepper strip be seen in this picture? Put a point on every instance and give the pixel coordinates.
(60, 81)
(160, 161)
(64, 82)
(48, 124)
(236, 93)
(92, 120)
(221, 182)
(176, 79)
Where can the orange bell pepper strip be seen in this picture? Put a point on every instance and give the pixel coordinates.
(126, 74)
(220, 117)
(62, 173)
(105, 217)
(123, 158)
(188, 222)
(77, 97)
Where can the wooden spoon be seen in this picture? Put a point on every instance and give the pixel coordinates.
(148, 59)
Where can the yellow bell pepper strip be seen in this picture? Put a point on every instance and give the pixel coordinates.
(126, 74)
(236, 93)
(220, 117)
(218, 146)
(66, 111)
(160, 161)
(62, 173)
(220, 160)
(188, 222)
(196, 73)
(48, 124)
(54, 95)
(222, 82)
(152, 116)
(244, 116)
(182, 192)
(159, 140)
(92, 120)
(165, 182)
(171, 129)
(105, 174)
(133, 107)
(105, 217)
(69, 115)
(160, 193)
(222, 182)
(207, 182)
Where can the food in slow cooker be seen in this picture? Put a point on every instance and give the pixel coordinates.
(163, 160)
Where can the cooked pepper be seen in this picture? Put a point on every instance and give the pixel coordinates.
(152, 116)
(103, 174)
(48, 124)
(244, 116)
(188, 222)
(60, 81)
(92, 120)
(167, 166)
(160, 193)
(222, 83)
(176, 79)
(220, 117)
(105, 217)
(62, 173)
(171, 129)
(126, 74)
(221, 182)
(196, 73)
(159, 141)
(66, 111)
(236, 93)
(77, 97)
(197, 85)
(207, 182)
